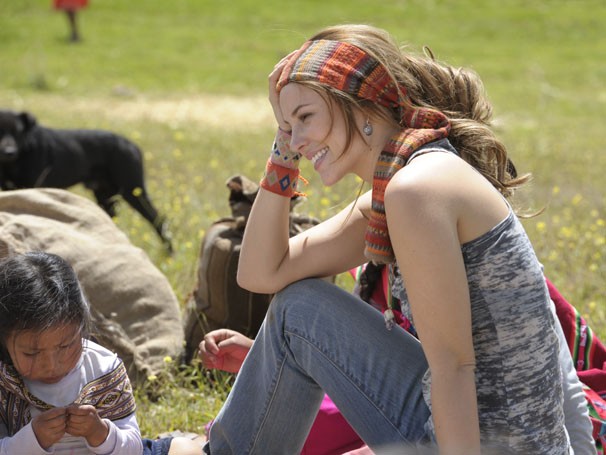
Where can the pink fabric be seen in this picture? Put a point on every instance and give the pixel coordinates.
(70, 4)
(331, 434)
(589, 355)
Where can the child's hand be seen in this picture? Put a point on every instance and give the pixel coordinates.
(83, 420)
(224, 349)
(49, 427)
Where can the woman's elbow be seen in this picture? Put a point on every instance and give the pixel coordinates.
(243, 279)
(253, 283)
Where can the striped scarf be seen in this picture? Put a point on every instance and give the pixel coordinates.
(348, 68)
(110, 394)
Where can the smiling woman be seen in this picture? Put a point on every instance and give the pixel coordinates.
(462, 270)
(308, 117)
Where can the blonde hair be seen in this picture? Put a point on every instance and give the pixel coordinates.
(456, 92)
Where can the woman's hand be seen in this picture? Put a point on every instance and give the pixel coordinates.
(274, 97)
(49, 426)
(224, 350)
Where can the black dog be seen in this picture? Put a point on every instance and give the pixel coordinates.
(32, 156)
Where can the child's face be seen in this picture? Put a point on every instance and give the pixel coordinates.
(46, 356)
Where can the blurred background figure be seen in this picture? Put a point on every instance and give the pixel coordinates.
(71, 8)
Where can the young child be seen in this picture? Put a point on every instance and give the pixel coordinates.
(71, 8)
(59, 391)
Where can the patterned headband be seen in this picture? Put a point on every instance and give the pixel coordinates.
(345, 67)
(348, 68)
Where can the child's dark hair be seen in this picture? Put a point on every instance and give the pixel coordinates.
(39, 291)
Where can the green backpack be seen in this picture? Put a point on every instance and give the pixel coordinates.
(217, 301)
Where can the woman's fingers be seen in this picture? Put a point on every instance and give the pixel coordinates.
(274, 97)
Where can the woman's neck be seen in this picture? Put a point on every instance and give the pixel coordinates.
(382, 133)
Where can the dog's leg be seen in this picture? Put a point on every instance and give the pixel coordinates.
(141, 203)
(106, 199)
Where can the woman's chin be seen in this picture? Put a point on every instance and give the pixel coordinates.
(329, 179)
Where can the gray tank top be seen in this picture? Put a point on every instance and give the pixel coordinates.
(518, 383)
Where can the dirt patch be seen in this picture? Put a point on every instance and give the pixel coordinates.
(224, 112)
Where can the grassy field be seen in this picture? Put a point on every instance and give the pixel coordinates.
(186, 80)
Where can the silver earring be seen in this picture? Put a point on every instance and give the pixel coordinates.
(367, 128)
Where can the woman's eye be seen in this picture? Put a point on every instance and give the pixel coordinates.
(304, 117)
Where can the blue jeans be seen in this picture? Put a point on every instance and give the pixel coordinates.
(319, 338)
(156, 446)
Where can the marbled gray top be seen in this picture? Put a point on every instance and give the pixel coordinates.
(518, 379)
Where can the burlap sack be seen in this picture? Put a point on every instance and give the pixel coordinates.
(136, 312)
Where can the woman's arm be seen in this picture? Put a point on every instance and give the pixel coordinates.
(270, 260)
(423, 217)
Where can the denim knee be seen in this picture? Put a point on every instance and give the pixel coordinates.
(298, 295)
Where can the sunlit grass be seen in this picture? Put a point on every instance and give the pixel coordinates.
(186, 174)
(187, 82)
(571, 243)
(184, 398)
(187, 165)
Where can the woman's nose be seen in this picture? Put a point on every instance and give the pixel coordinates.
(296, 140)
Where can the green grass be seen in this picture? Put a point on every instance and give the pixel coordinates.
(186, 80)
